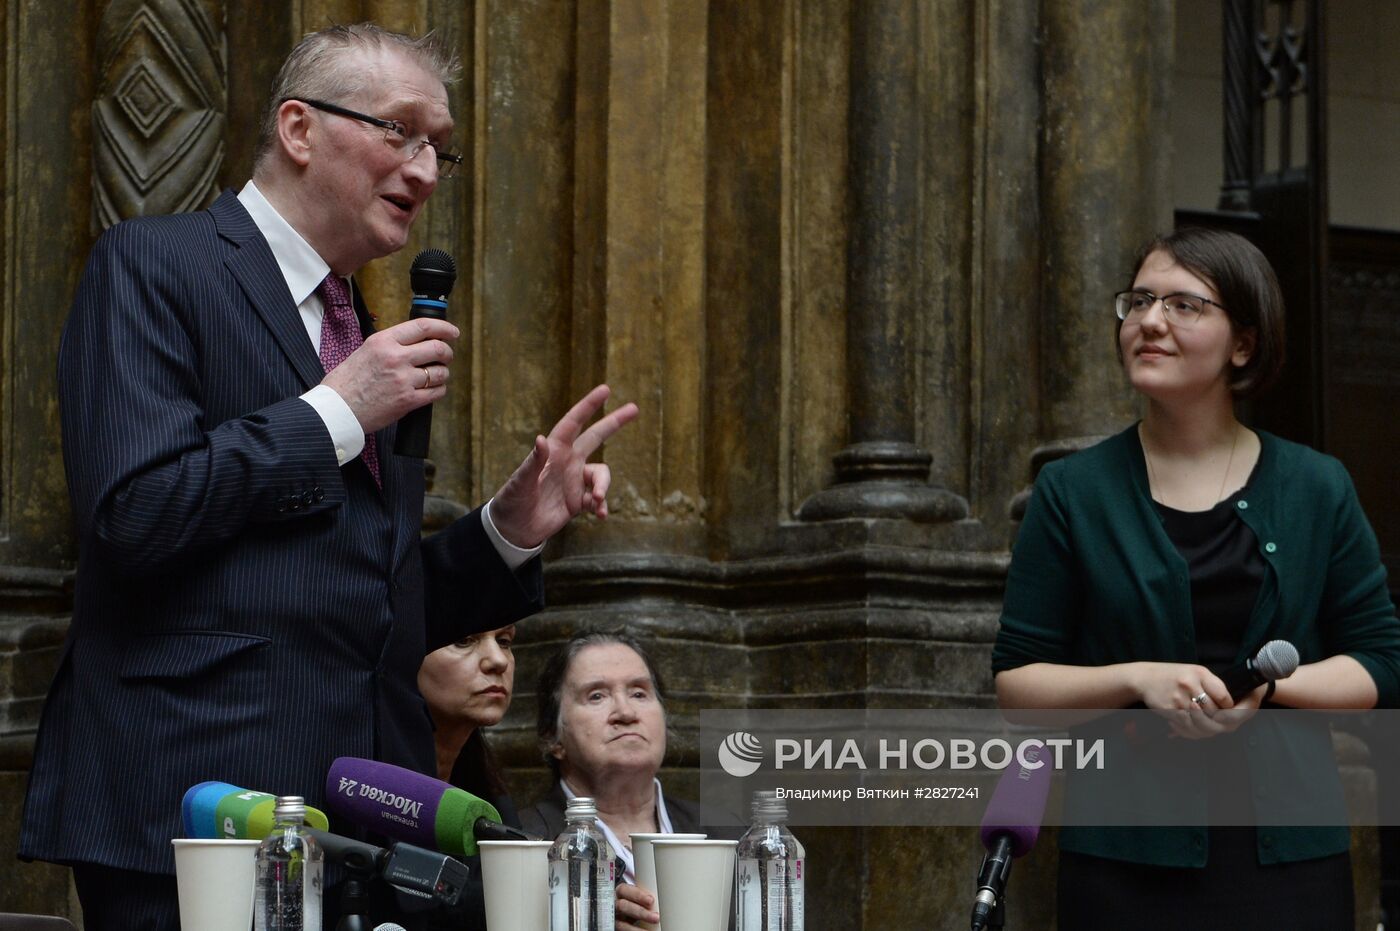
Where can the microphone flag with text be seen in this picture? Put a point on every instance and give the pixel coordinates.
(432, 276)
(217, 809)
(412, 807)
(1010, 826)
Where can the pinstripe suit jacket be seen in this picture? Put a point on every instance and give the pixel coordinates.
(246, 610)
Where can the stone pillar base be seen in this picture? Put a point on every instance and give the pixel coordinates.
(884, 479)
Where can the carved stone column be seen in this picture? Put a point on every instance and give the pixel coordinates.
(639, 226)
(1106, 188)
(883, 473)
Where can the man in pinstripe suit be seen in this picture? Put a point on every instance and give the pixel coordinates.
(253, 599)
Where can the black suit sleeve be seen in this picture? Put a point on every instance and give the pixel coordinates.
(153, 475)
(466, 583)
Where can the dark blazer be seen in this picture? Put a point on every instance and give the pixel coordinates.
(1092, 552)
(246, 610)
(546, 817)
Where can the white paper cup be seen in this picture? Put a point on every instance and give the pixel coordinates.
(694, 880)
(646, 866)
(515, 880)
(215, 879)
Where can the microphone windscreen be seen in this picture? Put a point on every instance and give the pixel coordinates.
(218, 809)
(406, 805)
(433, 273)
(1277, 659)
(1017, 806)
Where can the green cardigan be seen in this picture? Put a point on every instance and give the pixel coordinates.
(1095, 580)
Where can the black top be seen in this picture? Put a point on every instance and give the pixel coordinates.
(1227, 571)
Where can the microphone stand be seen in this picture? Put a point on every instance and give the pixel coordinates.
(992, 881)
(354, 900)
(997, 919)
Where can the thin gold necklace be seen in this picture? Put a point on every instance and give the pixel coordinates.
(1219, 495)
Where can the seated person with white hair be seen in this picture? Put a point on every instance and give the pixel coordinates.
(602, 727)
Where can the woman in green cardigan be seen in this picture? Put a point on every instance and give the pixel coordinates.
(1151, 562)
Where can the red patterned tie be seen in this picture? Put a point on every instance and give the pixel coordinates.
(340, 336)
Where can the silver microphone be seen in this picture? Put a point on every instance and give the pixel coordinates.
(1275, 660)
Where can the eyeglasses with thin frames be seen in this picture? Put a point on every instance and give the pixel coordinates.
(396, 135)
(1182, 308)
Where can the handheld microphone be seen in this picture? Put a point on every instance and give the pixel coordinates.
(1010, 826)
(432, 276)
(405, 866)
(217, 809)
(1277, 659)
(412, 807)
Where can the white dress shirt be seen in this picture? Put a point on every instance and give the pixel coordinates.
(304, 271)
(623, 852)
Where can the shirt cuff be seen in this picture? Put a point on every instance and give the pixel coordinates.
(513, 556)
(341, 422)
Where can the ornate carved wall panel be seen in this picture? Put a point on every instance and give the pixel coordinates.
(158, 118)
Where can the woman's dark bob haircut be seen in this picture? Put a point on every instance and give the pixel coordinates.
(1248, 290)
(549, 691)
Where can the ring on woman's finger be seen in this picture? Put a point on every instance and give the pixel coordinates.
(1199, 699)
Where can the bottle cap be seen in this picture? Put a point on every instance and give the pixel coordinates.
(768, 806)
(290, 807)
(581, 808)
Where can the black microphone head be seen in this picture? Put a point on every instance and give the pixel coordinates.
(1277, 659)
(486, 829)
(433, 273)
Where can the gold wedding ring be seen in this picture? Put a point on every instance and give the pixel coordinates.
(427, 378)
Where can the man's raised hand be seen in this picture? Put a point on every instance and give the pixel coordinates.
(556, 481)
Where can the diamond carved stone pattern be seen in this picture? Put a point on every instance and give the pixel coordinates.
(142, 99)
(158, 117)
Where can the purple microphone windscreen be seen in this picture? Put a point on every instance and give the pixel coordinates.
(1017, 806)
(406, 805)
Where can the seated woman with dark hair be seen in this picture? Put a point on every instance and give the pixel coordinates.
(602, 727)
(468, 686)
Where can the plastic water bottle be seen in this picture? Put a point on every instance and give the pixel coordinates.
(290, 863)
(581, 873)
(769, 868)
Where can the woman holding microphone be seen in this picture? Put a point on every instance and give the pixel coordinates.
(1151, 562)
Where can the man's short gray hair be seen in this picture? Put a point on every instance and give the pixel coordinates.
(321, 68)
